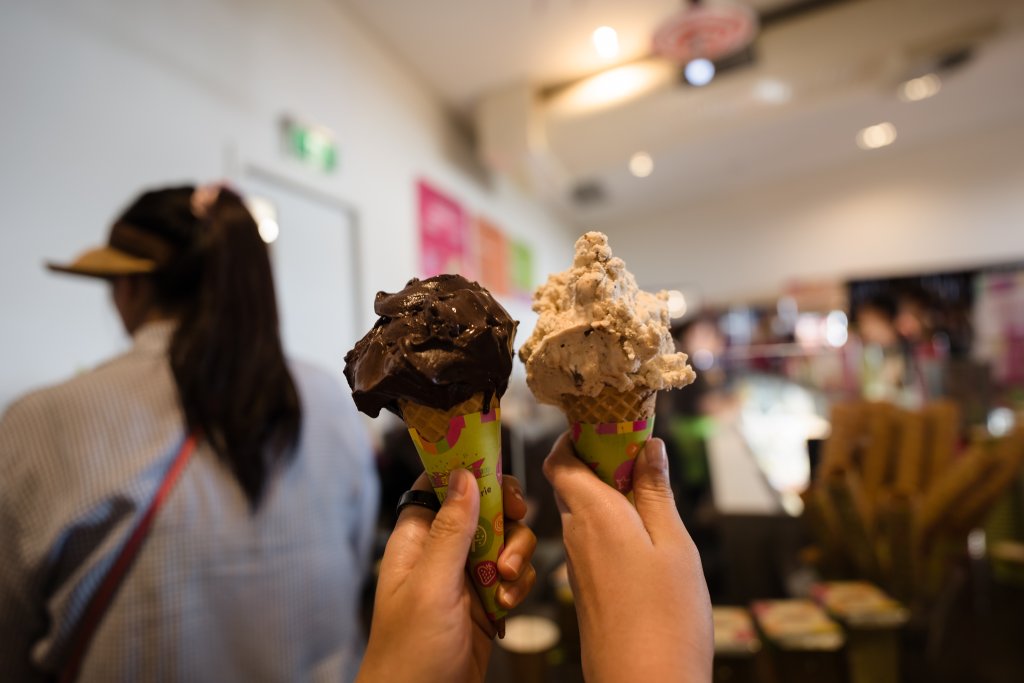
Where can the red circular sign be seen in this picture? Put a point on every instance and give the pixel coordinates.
(709, 31)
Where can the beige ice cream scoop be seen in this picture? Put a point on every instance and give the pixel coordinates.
(599, 332)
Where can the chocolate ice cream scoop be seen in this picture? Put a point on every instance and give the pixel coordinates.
(437, 342)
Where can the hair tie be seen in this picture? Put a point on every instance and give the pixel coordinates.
(203, 198)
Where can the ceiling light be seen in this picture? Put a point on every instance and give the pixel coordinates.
(614, 86)
(265, 215)
(771, 91)
(641, 164)
(606, 42)
(876, 136)
(699, 71)
(920, 88)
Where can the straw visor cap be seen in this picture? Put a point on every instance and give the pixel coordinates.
(129, 251)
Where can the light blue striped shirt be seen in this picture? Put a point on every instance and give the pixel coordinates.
(218, 593)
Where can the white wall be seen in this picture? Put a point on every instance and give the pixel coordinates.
(103, 98)
(897, 211)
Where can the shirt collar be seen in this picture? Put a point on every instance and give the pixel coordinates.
(154, 336)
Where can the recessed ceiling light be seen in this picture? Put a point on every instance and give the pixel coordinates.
(878, 135)
(772, 91)
(641, 164)
(613, 86)
(699, 71)
(606, 42)
(920, 88)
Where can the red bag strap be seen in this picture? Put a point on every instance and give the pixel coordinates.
(101, 600)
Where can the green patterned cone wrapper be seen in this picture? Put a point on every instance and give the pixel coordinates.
(610, 449)
(473, 442)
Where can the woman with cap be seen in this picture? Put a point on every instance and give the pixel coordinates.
(199, 507)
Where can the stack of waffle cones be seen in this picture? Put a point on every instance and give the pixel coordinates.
(608, 430)
(463, 436)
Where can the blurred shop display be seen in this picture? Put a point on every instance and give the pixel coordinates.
(909, 341)
(915, 334)
(804, 644)
(895, 500)
(872, 622)
(999, 327)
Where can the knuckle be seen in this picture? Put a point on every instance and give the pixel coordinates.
(655, 491)
(549, 468)
(447, 523)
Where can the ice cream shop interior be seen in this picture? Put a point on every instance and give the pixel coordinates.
(780, 242)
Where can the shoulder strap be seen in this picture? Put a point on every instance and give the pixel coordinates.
(102, 598)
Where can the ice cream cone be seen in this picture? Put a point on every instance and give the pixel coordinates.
(432, 423)
(465, 436)
(608, 430)
(610, 405)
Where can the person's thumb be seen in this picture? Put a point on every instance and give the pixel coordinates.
(652, 492)
(447, 547)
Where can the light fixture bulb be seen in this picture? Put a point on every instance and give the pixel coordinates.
(771, 91)
(921, 88)
(878, 135)
(641, 164)
(699, 72)
(606, 42)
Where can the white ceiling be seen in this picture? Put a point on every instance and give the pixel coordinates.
(501, 64)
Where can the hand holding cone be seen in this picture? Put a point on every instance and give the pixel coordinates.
(439, 356)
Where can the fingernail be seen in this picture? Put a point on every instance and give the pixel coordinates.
(504, 599)
(458, 483)
(514, 562)
(655, 453)
(518, 495)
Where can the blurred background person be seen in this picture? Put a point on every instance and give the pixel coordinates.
(256, 547)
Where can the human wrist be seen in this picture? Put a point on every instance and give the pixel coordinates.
(658, 650)
(377, 668)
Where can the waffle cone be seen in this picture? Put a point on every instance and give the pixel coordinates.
(611, 405)
(432, 423)
(464, 437)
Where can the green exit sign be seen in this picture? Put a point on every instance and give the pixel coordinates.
(313, 145)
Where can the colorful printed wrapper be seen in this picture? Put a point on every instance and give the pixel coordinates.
(610, 449)
(474, 443)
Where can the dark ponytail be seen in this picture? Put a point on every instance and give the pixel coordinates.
(226, 354)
